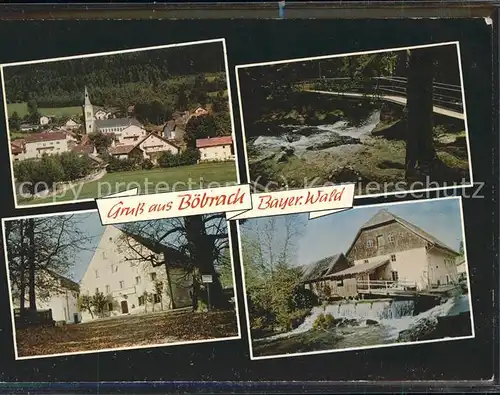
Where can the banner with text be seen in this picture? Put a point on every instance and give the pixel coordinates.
(130, 207)
(318, 201)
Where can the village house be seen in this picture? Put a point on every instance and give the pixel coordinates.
(174, 130)
(315, 275)
(17, 149)
(59, 295)
(37, 144)
(387, 252)
(26, 127)
(70, 124)
(389, 248)
(461, 267)
(123, 271)
(215, 148)
(126, 152)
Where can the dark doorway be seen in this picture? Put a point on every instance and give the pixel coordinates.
(75, 318)
(124, 307)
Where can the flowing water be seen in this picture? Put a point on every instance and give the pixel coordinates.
(392, 318)
(300, 137)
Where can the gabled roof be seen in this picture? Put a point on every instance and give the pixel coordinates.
(65, 282)
(45, 136)
(117, 122)
(360, 269)
(122, 149)
(214, 141)
(160, 137)
(383, 217)
(321, 268)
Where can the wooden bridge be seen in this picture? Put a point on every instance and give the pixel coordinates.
(447, 98)
(386, 287)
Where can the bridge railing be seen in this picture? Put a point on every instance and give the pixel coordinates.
(444, 95)
(386, 285)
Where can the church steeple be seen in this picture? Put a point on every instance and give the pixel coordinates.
(88, 113)
(87, 98)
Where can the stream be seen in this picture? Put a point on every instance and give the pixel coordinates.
(362, 324)
(303, 137)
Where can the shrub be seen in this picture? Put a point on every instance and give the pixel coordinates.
(324, 322)
(297, 317)
(115, 165)
(188, 157)
(147, 164)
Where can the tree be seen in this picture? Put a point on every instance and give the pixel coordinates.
(420, 152)
(100, 141)
(14, 121)
(85, 303)
(33, 113)
(461, 249)
(40, 249)
(182, 99)
(146, 299)
(198, 128)
(98, 302)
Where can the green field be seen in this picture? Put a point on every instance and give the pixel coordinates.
(22, 110)
(148, 181)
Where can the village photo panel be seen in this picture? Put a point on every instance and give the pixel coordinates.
(389, 120)
(373, 276)
(79, 287)
(83, 127)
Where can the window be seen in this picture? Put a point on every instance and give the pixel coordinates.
(114, 268)
(137, 280)
(340, 283)
(153, 276)
(156, 298)
(110, 306)
(121, 284)
(393, 258)
(108, 289)
(390, 238)
(395, 276)
(110, 238)
(369, 243)
(380, 241)
(104, 255)
(366, 261)
(97, 290)
(96, 273)
(141, 300)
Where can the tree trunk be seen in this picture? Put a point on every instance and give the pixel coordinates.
(22, 272)
(420, 153)
(201, 251)
(31, 263)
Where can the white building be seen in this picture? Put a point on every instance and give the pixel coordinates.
(154, 144)
(70, 124)
(389, 248)
(131, 284)
(215, 148)
(37, 144)
(44, 120)
(61, 297)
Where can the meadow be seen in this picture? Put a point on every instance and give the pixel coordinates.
(147, 181)
(22, 110)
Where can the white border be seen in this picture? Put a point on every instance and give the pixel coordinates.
(6, 110)
(472, 336)
(471, 183)
(16, 355)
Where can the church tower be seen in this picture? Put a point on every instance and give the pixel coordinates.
(88, 114)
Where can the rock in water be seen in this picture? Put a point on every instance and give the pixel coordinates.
(371, 322)
(422, 330)
(335, 141)
(286, 152)
(292, 138)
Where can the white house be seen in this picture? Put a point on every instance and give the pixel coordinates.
(61, 297)
(131, 134)
(44, 120)
(36, 144)
(154, 144)
(461, 268)
(389, 248)
(215, 148)
(122, 269)
(70, 124)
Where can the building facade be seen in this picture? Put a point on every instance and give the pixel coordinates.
(121, 269)
(50, 143)
(215, 149)
(390, 248)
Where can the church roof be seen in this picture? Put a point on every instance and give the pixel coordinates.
(117, 122)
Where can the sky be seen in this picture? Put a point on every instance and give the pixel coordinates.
(326, 236)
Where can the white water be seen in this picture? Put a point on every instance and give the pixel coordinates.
(323, 134)
(395, 316)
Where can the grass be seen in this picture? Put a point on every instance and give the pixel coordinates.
(22, 110)
(126, 331)
(148, 181)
